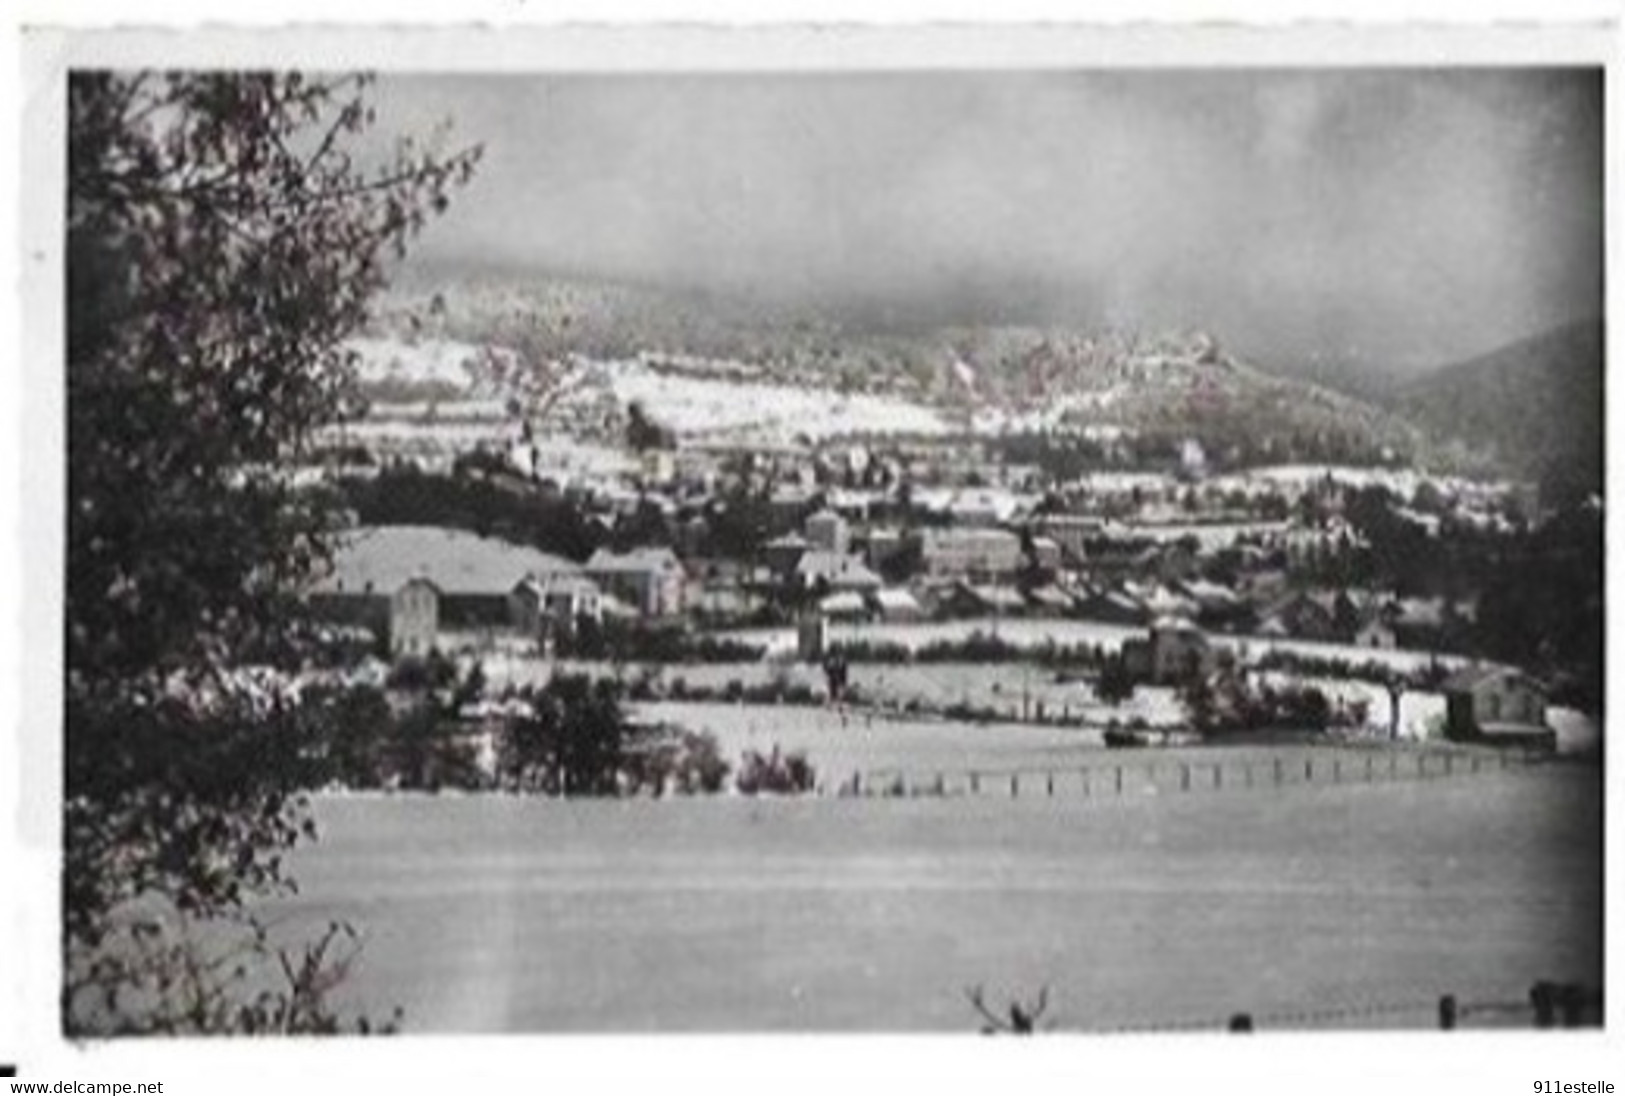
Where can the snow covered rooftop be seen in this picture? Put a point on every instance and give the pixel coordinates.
(383, 558)
(637, 560)
(896, 600)
(846, 602)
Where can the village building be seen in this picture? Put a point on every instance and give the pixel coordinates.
(722, 588)
(1047, 554)
(1218, 606)
(896, 604)
(850, 505)
(1171, 561)
(847, 605)
(1430, 623)
(1315, 615)
(1174, 651)
(414, 618)
(651, 580)
(1071, 532)
(658, 467)
(1263, 583)
(1272, 627)
(1050, 600)
(412, 584)
(828, 531)
(782, 552)
(789, 504)
(1112, 607)
(881, 544)
(721, 601)
(1497, 705)
(1160, 601)
(1116, 560)
(969, 553)
(818, 569)
(1376, 633)
(554, 605)
(968, 600)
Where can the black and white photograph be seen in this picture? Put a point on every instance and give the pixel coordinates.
(1065, 549)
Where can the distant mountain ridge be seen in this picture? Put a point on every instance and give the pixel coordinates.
(1014, 378)
(1535, 406)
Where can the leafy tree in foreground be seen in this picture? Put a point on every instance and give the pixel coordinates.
(223, 239)
(575, 743)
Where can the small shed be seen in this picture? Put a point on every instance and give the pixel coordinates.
(1497, 705)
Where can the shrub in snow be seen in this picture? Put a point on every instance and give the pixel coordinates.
(781, 774)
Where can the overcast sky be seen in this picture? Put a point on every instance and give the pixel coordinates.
(1399, 217)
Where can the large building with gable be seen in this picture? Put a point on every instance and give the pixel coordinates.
(412, 585)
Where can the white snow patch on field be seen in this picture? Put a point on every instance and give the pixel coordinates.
(1420, 713)
(1019, 633)
(425, 411)
(1250, 648)
(705, 406)
(1110, 637)
(1403, 482)
(839, 742)
(431, 360)
(1576, 731)
(1210, 536)
(454, 435)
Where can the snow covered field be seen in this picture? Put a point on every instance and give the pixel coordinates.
(1036, 633)
(1020, 633)
(747, 411)
(1297, 478)
(508, 914)
(1006, 688)
(437, 361)
(1421, 714)
(839, 744)
(453, 434)
(1209, 536)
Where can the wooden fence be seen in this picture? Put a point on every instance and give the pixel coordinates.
(1548, 1004)
(1132, 772)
